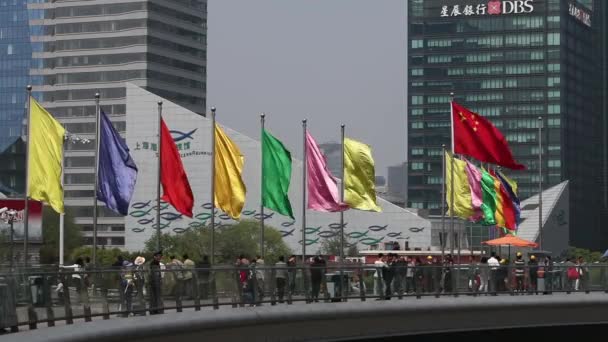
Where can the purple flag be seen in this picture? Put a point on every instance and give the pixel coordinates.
(323, 192)
(474, 177)
(117, 170)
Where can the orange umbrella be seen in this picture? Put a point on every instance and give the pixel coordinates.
(510, 240)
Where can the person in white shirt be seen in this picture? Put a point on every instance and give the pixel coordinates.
(494, 265)
(378, 282)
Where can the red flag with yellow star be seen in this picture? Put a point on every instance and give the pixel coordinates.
(475, 136)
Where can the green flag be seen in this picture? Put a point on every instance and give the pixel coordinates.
(488, 207)
(276, 165)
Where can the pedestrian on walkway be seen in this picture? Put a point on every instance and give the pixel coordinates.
(281, 277)
(188, 277)
(156, 306)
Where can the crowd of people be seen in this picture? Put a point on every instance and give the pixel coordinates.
(139, 282)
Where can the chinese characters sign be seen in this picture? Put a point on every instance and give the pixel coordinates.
(494, 7)
(579, 14)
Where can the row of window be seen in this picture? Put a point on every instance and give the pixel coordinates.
(120, 58)
(508, 124)
(499, 56)
(492, 41)
(194, 17)
(116, 42)
(105, 241)
(79, 111)
(519, 109)
(493, 83)
(89, 127)
(511, 96)
(122, 75)
(474, 25)
(508, 69)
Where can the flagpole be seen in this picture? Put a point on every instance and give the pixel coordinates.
(159, 175)
(342, 289)
(342, 200)
(212, 187)
(304, 189)
(442, 241)
(96, 179)
(262, 117)
(452, 178)
(540, 183)
(62, 218)
(26, 210)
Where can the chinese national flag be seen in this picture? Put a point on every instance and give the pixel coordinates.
(176, 188)
(475, 136)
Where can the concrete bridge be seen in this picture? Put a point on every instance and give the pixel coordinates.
(348, 321)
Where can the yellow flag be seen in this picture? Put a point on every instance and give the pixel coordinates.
(463, 203)
(359, 176)
(229, 187)
(45, 157)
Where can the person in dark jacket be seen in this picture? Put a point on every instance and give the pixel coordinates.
(203, 269)
(388, 274)
(400, 275)
(533, 269)
(156, 306)
(317, 271)
(428, 269)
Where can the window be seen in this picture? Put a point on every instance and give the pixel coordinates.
(417, 166)
(418, 205)
(554, 109)
(9, 49)
(553, 39)
(553, 94)
(554, 122)
(553, 81)
(417, 151)
(553, 67)
(555, 163)
(417, 43)
(417, 125)
(417, 100)
(434, 180)
(417, 72)
(417, 111)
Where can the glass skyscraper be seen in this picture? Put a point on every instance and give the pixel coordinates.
(69, 50)
(15, 62)
(513, 62)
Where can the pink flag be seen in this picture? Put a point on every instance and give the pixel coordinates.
(323, 192)
(474, 177)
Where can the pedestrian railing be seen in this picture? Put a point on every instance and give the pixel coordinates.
(36, 297)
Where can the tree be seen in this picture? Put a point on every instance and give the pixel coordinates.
(49, 251)
(230, 242)
(588, 255)
(331, 246)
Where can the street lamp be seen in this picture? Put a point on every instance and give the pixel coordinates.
(9, 216)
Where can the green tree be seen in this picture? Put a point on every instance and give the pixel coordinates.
(331, 246)
(230, 241)
(588, 255)
(105, 256)
(49, 251)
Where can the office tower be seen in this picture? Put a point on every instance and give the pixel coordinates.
(70, 50)
(513, 62)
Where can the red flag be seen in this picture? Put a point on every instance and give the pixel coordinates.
(176, 187)
(475, 136)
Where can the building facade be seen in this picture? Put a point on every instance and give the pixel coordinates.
(15, 62)
(71, 50)
(513, 62)
(362, 228)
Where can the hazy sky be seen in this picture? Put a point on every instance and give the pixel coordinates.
(329, 61)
